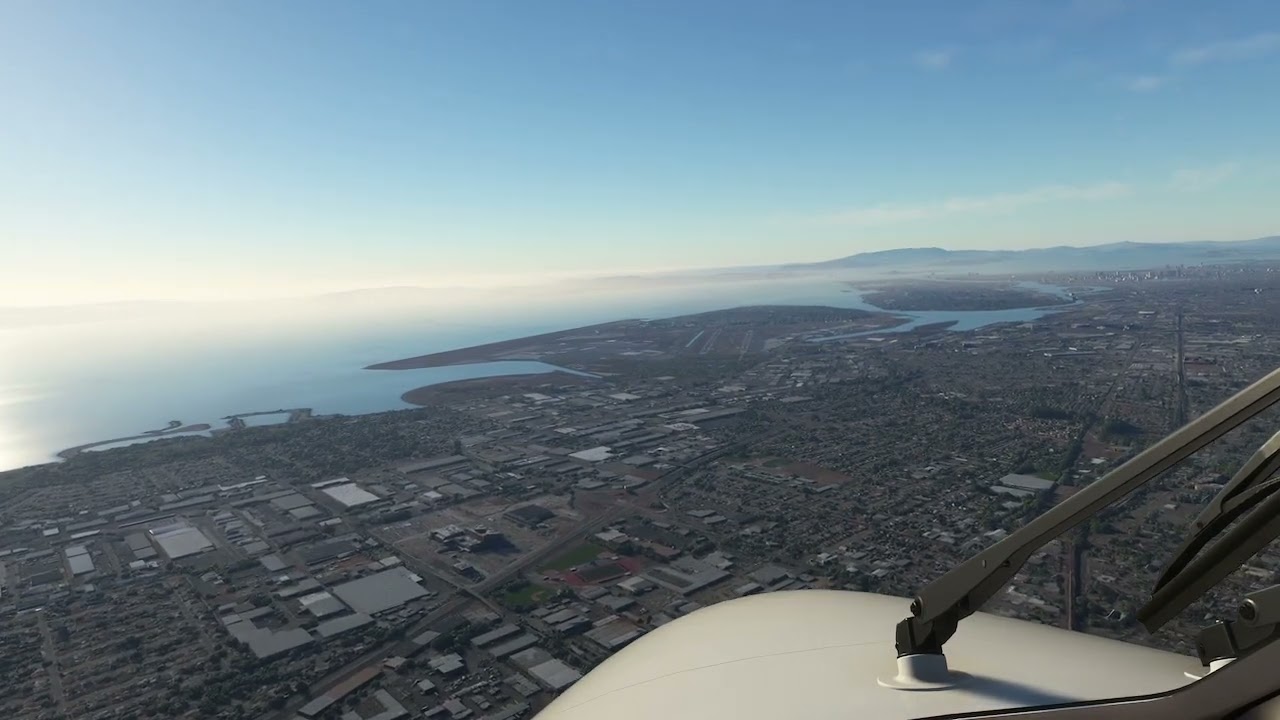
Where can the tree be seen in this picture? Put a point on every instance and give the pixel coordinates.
(445, 642)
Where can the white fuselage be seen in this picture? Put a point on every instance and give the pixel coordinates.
(817, 654)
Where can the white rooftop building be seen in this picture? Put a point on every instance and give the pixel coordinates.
(595, 454)
(180, 540)
(350, 495)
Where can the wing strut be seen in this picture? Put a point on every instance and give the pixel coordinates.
(941, 605)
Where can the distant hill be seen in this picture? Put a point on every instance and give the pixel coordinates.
(1115, 256)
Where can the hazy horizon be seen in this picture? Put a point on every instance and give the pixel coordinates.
(155, 150)
(488, 288)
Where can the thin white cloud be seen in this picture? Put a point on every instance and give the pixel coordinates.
(1239, 49)
(1248, 48)
(1146, 83)
(934, 59)
(1193, 179)
(980, 204)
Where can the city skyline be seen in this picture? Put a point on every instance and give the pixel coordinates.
(180, 152)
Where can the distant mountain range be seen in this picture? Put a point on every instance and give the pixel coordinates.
(1115, 256)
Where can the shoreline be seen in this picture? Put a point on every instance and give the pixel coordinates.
(426, 395)
(938, 295)
(533, 347)
(489, 352)
(178, 430)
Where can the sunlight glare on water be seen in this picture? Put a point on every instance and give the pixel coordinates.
(16, 448)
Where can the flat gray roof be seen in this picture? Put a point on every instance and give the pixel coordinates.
(375, 593)
(614, 634)
(291, 501)
(322, 604)
(272, 563)
(1015, 492)
(257, 547)
(316, 706)
(686, 575)
(337, 626)
(181, 541)
(560, 616)
(304, 585)
(526, 659)
(770, 574)
(391, 708)
(350, 494)
(514, 645)
(495, 634)
(305, 512)
(555, 674)
(426, 638)
(1026, 482)
(265, 643)
(80, 564)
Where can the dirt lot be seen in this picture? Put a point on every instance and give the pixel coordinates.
(783, 467)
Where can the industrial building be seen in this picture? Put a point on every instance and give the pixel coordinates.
(391, 708)
(447, 664)
(180, 540)
(612, 537)
(612, 633)
(526, 659)
(475, 538)
(288, 502)
(554, 674)
(771, 577)
(636, 585)
(379, 592)
(350, 495)
(494, 635)
(530, 515)
(140, 546)
(322, 604)
(514, 645)
(615, 603)
(593, 455)
(264, 642)
(1029, 484)
(325, 551)
(78, 560)
(686, 575)
(272, 563)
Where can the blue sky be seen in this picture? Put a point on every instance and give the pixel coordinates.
(184, 149)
